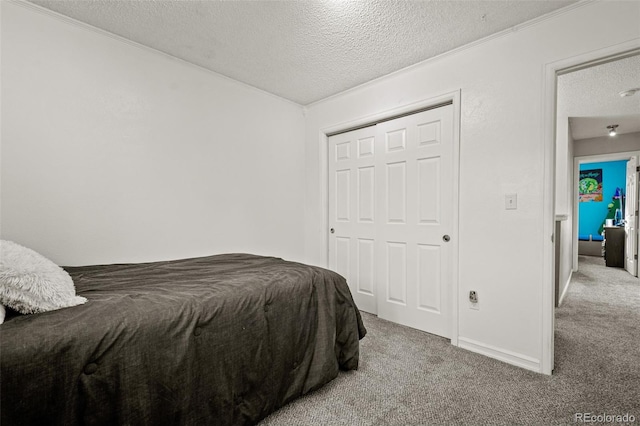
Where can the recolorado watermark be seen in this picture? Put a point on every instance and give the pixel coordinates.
(603, 418)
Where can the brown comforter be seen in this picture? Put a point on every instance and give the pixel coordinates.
(217, 340)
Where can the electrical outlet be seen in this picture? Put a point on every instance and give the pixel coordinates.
(473, 300)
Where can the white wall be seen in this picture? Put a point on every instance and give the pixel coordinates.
(565, 196)
(116, 153)
(564, 164)
(502, 151)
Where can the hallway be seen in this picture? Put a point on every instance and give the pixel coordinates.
(597, 338)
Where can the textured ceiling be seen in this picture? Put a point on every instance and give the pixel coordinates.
(590, 98)
(303, 51)
(596, 127)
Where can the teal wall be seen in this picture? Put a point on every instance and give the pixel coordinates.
(593, 213)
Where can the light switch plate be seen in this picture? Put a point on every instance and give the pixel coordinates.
(511, 201)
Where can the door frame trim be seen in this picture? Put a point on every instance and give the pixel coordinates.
(454, 97)
(549, 116)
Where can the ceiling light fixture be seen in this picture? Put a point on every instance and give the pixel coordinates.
(612, 129)
(629, 92)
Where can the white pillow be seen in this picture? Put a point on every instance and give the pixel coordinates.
(31, 283)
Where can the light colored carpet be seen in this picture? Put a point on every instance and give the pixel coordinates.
(407, 377)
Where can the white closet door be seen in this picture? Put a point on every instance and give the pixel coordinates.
(414, 164)
(352, 199)
(630, 217)
(390, 212)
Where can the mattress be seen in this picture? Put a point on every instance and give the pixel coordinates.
(220, 340)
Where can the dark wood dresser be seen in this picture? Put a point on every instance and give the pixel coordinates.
(614, 246)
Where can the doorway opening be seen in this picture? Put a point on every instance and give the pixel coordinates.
(610, 211)
(588, 95)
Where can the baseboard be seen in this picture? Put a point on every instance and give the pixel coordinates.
(566, 288)
(500, 354)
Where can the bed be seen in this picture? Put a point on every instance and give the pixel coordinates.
(221, 340)
(590, 244)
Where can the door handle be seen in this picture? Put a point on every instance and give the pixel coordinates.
(446, 238)
(332, 231)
